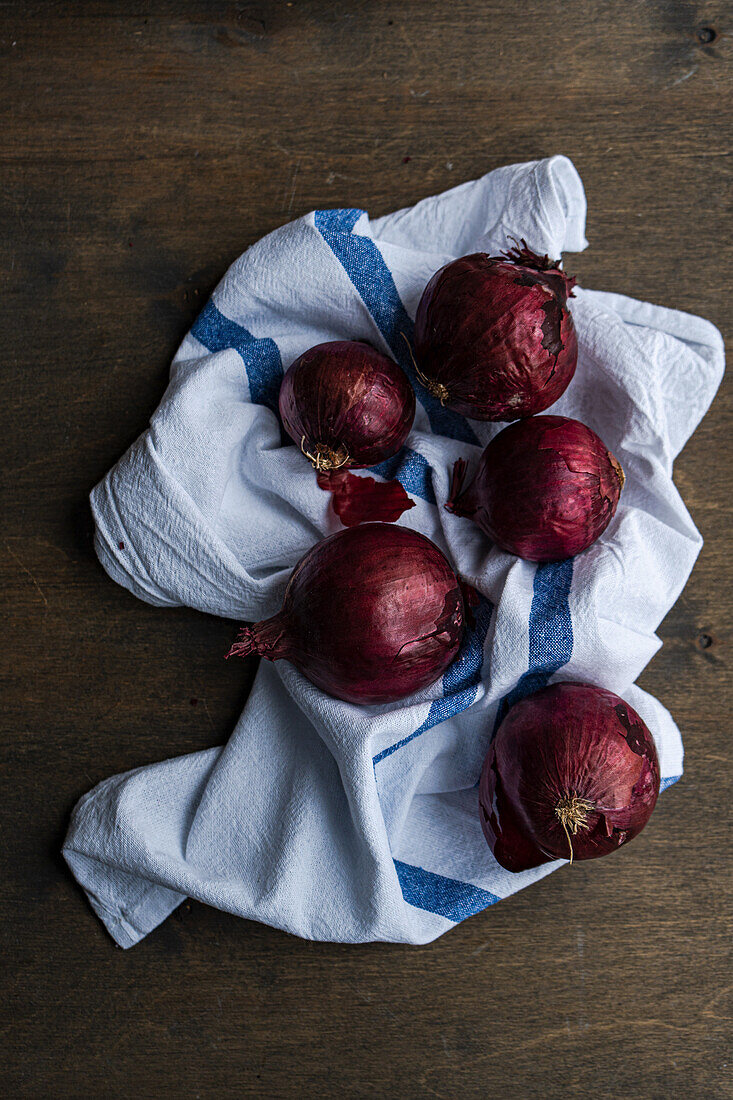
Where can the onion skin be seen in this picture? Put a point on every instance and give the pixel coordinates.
(568, 741)
(346, 404)
(494, 338)
(545, 488)
(370, 615)
(359, 499)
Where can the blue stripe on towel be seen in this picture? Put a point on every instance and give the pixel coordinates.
(261, 357)
(411, 470)
(668, 781)
(550, 625)
(364, 264)
(550, 631)
(444, 896)
(460, 682)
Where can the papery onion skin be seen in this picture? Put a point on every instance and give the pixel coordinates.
(346, 404)
(545, 489)
(494, 338)
(370, 615)
(359, 499)
(568, 741)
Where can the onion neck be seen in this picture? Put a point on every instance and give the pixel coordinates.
(523, 256)
(617, 470)
(572, 813)
(456, 504)
(268, 639)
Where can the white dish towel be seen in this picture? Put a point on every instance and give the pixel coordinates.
(338, 822)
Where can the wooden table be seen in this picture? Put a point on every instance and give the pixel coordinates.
(142, 152)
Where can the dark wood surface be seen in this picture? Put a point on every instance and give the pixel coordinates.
(144, 146)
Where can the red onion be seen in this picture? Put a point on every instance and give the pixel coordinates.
(370, 615)
(545, 488)
(346, 405)
(572, 771)
(494, 338)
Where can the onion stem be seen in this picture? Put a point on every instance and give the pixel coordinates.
(437, 389)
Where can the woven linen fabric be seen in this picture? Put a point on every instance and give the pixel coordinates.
(329, 820)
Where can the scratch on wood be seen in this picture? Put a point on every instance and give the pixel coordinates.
(685, 76)
(292, 190)
(706, 1010)
(27, 572)
(108, 711)
(37, 538)
(208, 713)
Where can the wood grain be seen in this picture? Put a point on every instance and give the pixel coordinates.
(145, 146)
